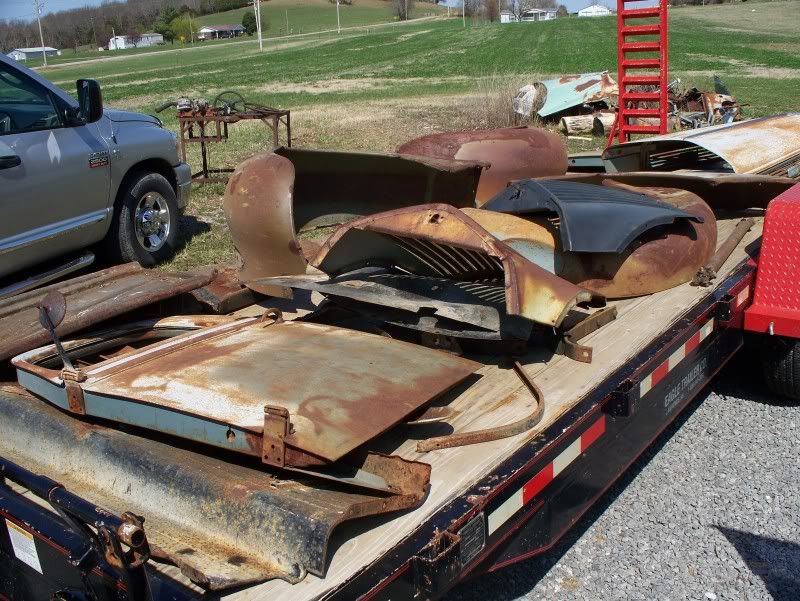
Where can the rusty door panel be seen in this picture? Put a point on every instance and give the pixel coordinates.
(441, 241)
(340, 387)
(511, 153)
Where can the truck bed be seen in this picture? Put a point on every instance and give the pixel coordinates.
(496, 398)
(499, 398)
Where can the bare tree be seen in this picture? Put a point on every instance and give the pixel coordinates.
(402, 9)
(491, 10)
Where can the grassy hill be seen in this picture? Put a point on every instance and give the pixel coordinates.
(304, 16)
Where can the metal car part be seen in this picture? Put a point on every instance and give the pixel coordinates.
(293, 395)
(223, 523)
(553, 96)
(510, 153)
(441, 241)
(569, 344)
(720, 191)
(624, 215)
(275, 202)
(708, 272)
(91, 299)
(765, 146)
(498, 432)
(660, 259)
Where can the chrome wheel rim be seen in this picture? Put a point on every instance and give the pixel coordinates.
(152, 221)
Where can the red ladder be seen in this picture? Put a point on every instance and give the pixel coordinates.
(631, 72)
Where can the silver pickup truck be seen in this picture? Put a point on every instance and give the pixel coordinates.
(74, 175)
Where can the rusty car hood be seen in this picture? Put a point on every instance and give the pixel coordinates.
(340, 387)
(767, 145)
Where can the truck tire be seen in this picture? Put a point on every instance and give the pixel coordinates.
(780, 364)
(144, 226)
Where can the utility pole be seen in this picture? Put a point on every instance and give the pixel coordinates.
(287, 21)
(39, 5)
(464, 12)
(258, 25)
(338, 22)
(114, 38)
(405, 10)
(94, 31)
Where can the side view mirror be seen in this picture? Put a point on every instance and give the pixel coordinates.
(90, 100)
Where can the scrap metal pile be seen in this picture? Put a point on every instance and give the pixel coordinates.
(415, 270)
(597, 95)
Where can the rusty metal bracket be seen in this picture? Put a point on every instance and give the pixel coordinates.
(276, 429)
(498, 432)
(708, 272)
(568, 345)
(437, 565)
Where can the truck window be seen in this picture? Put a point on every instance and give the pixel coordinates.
(24, 104)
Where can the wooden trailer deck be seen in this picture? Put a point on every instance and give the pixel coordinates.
(498, 398)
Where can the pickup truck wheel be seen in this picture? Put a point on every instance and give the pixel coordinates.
(145, 226)
(780, 364)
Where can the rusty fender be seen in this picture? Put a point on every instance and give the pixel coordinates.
(512, 153)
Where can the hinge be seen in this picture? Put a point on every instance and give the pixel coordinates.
(276, 429)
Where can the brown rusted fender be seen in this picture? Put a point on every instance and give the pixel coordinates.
(512, 153)
(662, 258)
(720, 191)
(442, 241)
(272, 197)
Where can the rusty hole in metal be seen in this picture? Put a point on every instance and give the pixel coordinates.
(435, 218)
(230, 435)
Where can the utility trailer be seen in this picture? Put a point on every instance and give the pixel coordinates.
(489, 505)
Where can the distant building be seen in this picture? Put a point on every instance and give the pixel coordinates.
(216, 32)
(506, 16)
(594, 10)
(539, 14)
(122, 42)
(23, 54)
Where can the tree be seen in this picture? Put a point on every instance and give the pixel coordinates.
(249, 22)
(184, 28)
(520, 7)
(491, 10)
(562, 11)
(134, 38)
(402, 9)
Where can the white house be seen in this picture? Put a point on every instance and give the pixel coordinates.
(594, 10)
(215, 32)
(539, 14)
(506, 16)
(23, 54)
(121, 42)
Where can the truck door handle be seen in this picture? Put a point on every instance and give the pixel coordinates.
(9, 161)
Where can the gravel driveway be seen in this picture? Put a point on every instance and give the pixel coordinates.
(711, 511)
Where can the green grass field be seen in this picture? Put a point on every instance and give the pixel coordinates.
(377, 87)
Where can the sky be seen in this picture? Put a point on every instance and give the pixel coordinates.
(23, 9)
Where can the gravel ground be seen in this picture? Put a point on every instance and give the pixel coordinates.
(711, 511)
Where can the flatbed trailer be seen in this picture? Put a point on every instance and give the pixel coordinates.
(490, 504)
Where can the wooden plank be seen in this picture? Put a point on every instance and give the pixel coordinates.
(499, 398)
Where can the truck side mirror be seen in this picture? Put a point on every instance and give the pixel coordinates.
(90, 100)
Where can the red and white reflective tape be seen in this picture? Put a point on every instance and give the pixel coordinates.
(675, 358)
(535, 485)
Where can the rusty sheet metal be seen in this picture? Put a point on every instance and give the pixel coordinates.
(340, 388)
(767, 146)
(442, 241)
(552, 96)
(91, 299)
(720, 191)
(660, 259)
(511, 153)
(222, 523)
(272, 198)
